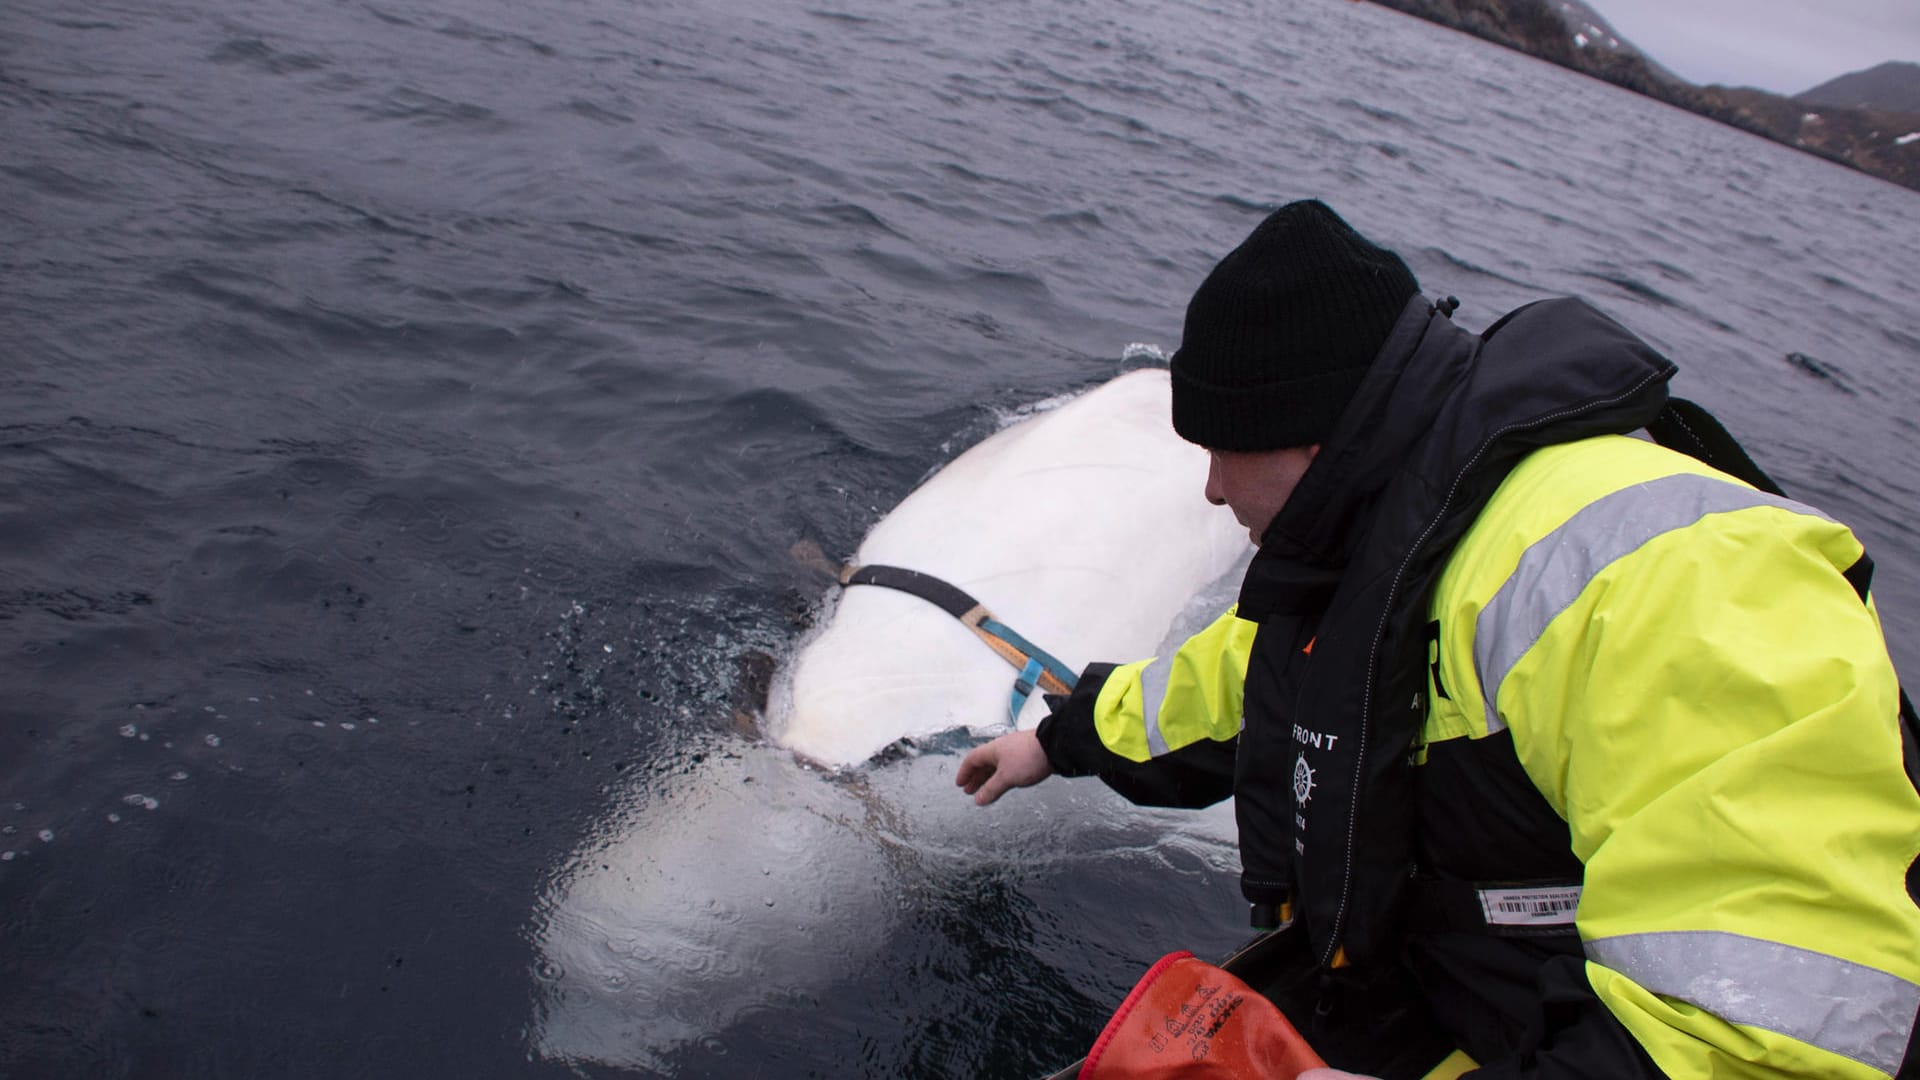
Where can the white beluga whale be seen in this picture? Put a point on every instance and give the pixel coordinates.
(1084, 529)
(763, 872)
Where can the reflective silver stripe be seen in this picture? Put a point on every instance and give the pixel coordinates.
(1845, 1008)
(1557, 568)
(1153, 690)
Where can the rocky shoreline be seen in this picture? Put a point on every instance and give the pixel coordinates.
(1873, 141)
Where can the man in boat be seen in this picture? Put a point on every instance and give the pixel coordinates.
(1560, 752)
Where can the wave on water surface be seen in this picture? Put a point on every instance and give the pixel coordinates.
(408, 412)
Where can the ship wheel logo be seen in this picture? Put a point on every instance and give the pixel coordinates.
(1302, 781)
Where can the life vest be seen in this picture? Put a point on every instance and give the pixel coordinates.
(1345, 573)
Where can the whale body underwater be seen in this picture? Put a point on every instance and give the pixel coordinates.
(766, 870)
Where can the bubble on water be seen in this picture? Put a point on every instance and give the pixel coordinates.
(319, 723)
(210, 708)
(9, 830)
(113, 818)
(128, 731)
(177, 775)
(144, 802)
(346, 725)
(46, 836)
(212, 740)
(373, 719)
(144, 737)
(6, 856)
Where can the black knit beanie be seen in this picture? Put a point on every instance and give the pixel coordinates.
(1280, 334)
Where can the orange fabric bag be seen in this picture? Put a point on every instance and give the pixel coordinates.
(1189, 1020)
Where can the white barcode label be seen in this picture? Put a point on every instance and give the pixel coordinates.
(1552, 906)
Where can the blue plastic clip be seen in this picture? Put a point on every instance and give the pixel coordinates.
(1023, 685)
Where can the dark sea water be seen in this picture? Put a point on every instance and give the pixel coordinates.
(407, 406)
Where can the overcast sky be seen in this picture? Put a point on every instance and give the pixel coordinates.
(1781, 45)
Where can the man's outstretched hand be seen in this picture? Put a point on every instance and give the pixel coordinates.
(1010, 761)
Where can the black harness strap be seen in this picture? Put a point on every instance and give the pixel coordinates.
(948, 598)
(1037, 667)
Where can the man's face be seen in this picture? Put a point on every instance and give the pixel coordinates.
(1256, 484)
